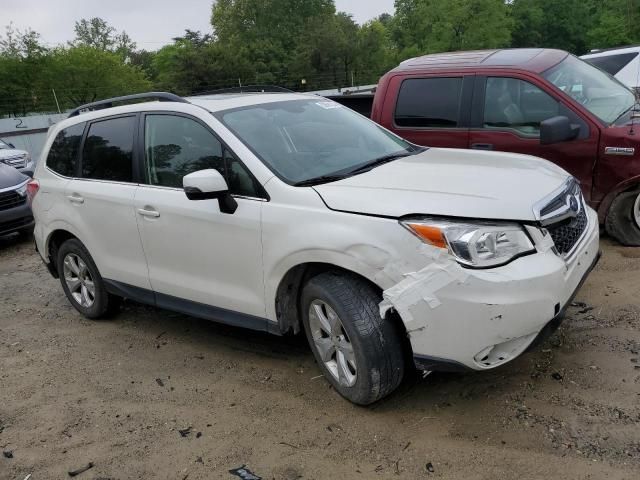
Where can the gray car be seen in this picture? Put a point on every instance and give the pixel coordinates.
(18, 159)
(15, 212)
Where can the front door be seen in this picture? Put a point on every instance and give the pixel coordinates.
(507, 115)
(195, 252)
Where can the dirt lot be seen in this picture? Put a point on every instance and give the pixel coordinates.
(118, 393)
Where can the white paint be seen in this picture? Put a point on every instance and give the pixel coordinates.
(193, 251)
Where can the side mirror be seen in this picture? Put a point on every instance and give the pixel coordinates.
(557, 129)
(209, 185)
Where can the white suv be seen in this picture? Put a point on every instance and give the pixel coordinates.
(282, 212)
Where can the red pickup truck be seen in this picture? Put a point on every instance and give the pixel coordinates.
(541, 102)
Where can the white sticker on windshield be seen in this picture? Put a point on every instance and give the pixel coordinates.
(328, 105)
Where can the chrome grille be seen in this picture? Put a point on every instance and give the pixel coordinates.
(11, 199)
(16, 161)
(564, 215)
(565, 237)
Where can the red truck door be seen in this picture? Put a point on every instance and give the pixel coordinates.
(429, 110)
(506, 115)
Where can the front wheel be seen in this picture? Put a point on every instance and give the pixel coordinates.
(360, 353)
(623, 219)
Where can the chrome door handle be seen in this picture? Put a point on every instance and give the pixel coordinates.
(148, 213)
(74, 198)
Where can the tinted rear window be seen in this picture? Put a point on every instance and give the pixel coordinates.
(429, 102)
(63, 154)
(612, 64)
(108, 150)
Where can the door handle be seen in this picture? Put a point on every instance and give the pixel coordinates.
(482, 146)
(75, 198)
(148, 213)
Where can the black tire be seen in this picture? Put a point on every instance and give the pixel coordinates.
(377, 343)
(620, 222)
(104, 304)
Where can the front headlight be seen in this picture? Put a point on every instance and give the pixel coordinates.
(475, 244)
(22, 190)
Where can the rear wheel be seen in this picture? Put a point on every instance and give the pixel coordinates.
(623, 219)
(360, 353)
(82, 283)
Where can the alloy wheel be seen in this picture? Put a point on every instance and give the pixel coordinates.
(79, 280)
(636, 211)
(332, 343)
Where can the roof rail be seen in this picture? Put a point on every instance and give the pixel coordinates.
(247, 89)
(108, 102)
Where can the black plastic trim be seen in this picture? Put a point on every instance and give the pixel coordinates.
(436, 364)
(108, 102)
(194, 309)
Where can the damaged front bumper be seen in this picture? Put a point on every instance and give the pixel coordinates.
(460, 319)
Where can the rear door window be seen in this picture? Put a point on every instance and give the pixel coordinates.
(429, 102)
(108, 150)
(63, 154)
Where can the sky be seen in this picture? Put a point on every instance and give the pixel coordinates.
(150, 23)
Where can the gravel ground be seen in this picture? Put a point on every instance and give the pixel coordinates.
(153, 394)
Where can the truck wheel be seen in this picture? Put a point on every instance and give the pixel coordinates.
(623, 219)
(360, 353)
(82, 282)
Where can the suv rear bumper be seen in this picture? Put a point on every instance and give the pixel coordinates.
(496, 315)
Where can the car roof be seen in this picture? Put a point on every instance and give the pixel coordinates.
(212, 103)
(532, 59)
(227, 101)
(605, 52)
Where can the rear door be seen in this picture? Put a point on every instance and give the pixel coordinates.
(506, 116)
(100, 201)
(432, 111)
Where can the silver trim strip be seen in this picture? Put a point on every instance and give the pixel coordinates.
(15, 187)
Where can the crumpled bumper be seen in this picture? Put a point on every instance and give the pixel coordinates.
(480, 319)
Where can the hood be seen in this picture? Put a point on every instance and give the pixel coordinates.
(10, 177)
(449, 182)
(11, 152)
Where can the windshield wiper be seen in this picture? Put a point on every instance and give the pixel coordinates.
(360, 169)
(318, 180)
(376, 162)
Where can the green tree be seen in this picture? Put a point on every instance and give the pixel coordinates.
(428, 26)
(552, 24)
(23, 59)
(616, 23)
(84, 74)
(97, 33)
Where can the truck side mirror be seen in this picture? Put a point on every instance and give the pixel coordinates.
(557, 129)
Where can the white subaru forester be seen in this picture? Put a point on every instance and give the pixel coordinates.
(282, 212)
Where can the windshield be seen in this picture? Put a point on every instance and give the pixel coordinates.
(300, 140)
(600, 93)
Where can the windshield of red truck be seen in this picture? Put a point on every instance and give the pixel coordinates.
(599, 92)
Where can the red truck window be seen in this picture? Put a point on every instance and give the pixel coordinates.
(429, 102)
(515, 104)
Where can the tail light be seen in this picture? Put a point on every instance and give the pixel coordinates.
(32, 188)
